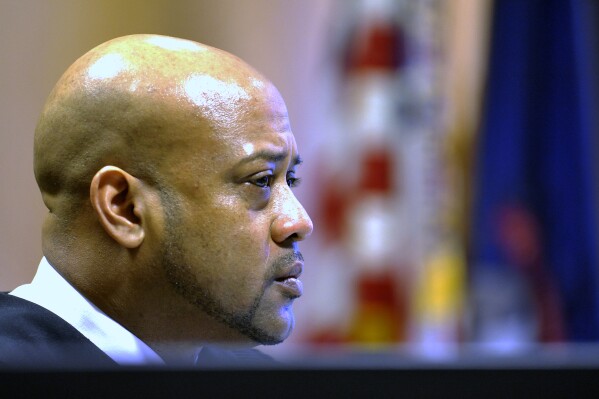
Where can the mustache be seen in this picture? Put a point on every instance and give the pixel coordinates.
(284, 262)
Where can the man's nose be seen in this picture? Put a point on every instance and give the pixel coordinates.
(292, 222)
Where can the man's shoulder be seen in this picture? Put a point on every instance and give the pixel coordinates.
(32, 335)
(22, 320)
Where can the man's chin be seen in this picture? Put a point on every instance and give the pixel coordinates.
(272, 332)
(270, 340)
(261, 337)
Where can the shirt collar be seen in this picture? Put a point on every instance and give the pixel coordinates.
(51, 291)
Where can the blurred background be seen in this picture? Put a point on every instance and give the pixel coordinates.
(450, 155)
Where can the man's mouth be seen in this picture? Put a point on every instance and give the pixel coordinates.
(289, 281)
(291, 273)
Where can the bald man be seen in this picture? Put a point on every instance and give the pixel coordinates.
(167, 168)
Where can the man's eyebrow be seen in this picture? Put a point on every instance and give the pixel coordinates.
(271, 156)
(297, 160)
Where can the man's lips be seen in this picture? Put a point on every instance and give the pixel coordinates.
(292, 272)
(289, 281)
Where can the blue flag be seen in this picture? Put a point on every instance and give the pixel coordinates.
(535, 204)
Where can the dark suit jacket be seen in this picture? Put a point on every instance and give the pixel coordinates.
(32, 336)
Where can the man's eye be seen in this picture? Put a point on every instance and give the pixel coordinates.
(293, 181)
(263, 182)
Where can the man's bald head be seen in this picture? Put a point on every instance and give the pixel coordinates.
(167, 168)
(127, 101)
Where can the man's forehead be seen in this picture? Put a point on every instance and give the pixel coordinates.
(259, 129)
(272, 147)
(224, 100)
(269, 145)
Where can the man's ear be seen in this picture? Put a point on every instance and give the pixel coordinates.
(118, 200)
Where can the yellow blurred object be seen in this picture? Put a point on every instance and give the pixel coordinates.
(374, 326)
(440, 296)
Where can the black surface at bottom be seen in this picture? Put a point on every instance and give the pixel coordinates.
(288, 383)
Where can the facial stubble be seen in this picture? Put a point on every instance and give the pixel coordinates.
(197, 292)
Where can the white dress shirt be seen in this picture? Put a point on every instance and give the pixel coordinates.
(51, 291)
